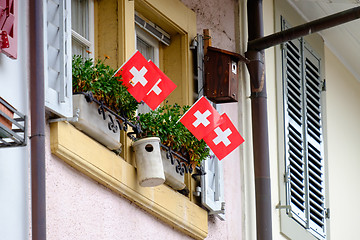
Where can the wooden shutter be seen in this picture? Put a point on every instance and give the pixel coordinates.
(8, 24)
(58, 76)
(303, 135)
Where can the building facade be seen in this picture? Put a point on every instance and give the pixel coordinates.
(92, 192)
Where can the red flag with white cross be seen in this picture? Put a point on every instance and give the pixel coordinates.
(138, 76)
(224, 138)
(201, 118)
(162, 88)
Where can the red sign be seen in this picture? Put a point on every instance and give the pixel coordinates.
(138, 76)
(201, 118)
(162, 88)
(224, 138)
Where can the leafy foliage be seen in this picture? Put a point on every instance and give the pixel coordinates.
(163, 123)
(97, 77)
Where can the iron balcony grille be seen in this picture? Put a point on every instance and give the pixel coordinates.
(117, 122)
(17, 135)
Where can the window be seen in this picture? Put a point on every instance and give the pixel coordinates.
(148, 46)
(303, 133)
(81, 20)
(61, 42)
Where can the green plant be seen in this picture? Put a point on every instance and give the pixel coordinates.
(97, 77)
(163, 123)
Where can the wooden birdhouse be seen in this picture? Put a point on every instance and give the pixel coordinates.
(221, 75)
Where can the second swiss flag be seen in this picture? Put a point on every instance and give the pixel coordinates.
(219, 133)
(224, 138)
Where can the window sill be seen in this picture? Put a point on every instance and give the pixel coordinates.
(102, 165)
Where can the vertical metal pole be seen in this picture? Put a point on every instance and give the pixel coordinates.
(256, 68)
(37, 109)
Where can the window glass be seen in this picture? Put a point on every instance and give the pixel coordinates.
(80, 27)
(149, 48)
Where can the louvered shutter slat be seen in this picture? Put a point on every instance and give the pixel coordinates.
(294, 128)
(314, 142)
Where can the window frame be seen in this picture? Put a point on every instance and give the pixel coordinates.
(151, 41)
(87, 42)
(155, 45)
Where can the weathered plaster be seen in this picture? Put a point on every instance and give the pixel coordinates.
(219, 17)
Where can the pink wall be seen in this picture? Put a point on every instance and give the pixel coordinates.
(80, 208)
(219, 17)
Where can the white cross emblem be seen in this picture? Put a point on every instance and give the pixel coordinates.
(222, 136)
(155, 88)
(201, 118)
(138, 76)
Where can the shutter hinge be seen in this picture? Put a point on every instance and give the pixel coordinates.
(4, 41)
(75, 118)
(221, 211)
(327, 213)
(287, 174)
(287, 207)
(282, 46)
(278, 206)
(323, 87)
(197, 191)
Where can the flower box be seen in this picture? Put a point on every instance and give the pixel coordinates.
(172, 178)
(93, 124)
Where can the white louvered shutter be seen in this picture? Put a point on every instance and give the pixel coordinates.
(303, 135)
(57, 59)
(212, 187)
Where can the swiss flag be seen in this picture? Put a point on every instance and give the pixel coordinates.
(201, 118)
(224, 138)
(138, 76)
(162, 88)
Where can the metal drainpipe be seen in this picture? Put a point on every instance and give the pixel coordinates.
(37, 111)
(256, 68)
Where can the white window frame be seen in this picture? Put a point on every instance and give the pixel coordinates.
(147, 38)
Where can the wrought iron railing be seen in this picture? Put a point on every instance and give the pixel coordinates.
(117, 123)
(16, 135)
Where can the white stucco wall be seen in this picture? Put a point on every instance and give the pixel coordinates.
(343, 114)
(14, 162)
